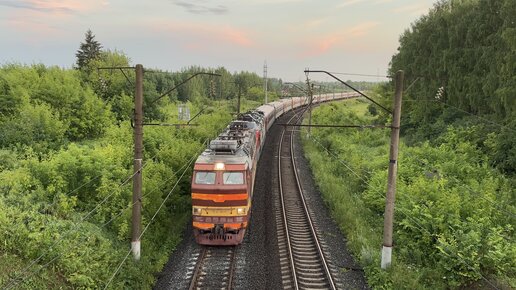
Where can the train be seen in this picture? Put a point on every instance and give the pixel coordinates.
(224, 173)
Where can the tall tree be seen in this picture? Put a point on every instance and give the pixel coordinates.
(89, 50)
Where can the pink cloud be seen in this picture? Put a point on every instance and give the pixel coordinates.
(235, 36)
(31, 25)
(313, 23)
(362, 28)
(56, 7)
(38, 20)
(323, 44)
(44, 18)
(202, 36)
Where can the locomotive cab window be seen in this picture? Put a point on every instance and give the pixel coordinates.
(204, 177)
(233, 178)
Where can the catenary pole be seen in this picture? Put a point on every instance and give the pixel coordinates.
(265, 81)
(310, 111)
(238, 103)
(393, 166)
(138, 161)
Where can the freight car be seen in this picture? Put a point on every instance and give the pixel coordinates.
(224, 174)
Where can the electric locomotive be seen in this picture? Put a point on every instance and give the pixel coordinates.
(223, 181)
(223, 177)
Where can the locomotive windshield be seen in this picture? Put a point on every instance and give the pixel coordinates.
(205, 177)
(233, 178)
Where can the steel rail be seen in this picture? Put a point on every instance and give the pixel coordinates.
(313, 233)
(202, 264)
(305, 206)
(284, 211)
(197, 270)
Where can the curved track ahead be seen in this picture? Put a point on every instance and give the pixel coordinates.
(300, 249)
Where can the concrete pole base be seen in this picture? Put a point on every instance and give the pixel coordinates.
(386, 257)
(135, 248)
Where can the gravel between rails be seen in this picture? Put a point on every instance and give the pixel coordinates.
(349, 274)
(257, 264)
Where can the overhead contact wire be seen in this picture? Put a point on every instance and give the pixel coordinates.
(423, 229)
(147, 226)
(75, 226)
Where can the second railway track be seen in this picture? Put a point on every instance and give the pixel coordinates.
(302, 259)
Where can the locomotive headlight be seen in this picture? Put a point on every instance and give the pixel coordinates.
(241, 210)
(196, 211)
(219, 166)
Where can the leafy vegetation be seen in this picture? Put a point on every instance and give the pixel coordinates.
(455, 202)
(66, 146)
(454, 221)
(466, 49)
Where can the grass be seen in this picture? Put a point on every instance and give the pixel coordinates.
(12, 266)
(358, 106)
(341, 188)
(362, 151)
(350, 169)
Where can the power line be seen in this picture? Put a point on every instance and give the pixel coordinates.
(118, 268)
(146, 227)
(148, 193)
(338, 126)
(486, 199)
(466, 112)
(361, 75)
(356, 174)
(74, 190)
(493, 203)
(152, 219)
(484, 119)
(462, 184)
(75, 226)
(113, 218)
(108, 222)
(349, 86)
(182, 83)
(408, 216)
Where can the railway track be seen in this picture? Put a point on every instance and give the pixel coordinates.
(301, 255)
(214, 268)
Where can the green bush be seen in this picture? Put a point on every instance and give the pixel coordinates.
(453, 224)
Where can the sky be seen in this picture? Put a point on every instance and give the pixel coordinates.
(346, 36)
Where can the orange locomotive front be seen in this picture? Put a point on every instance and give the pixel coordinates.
(221, 203)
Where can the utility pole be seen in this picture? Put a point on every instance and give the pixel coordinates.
(137, 124)
(391, 183)
(238, 103)
(138, 161)
(311, 97)
(265, 80)
(393, 167)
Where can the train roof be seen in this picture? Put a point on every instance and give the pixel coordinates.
(207, 158)
(235, 144)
